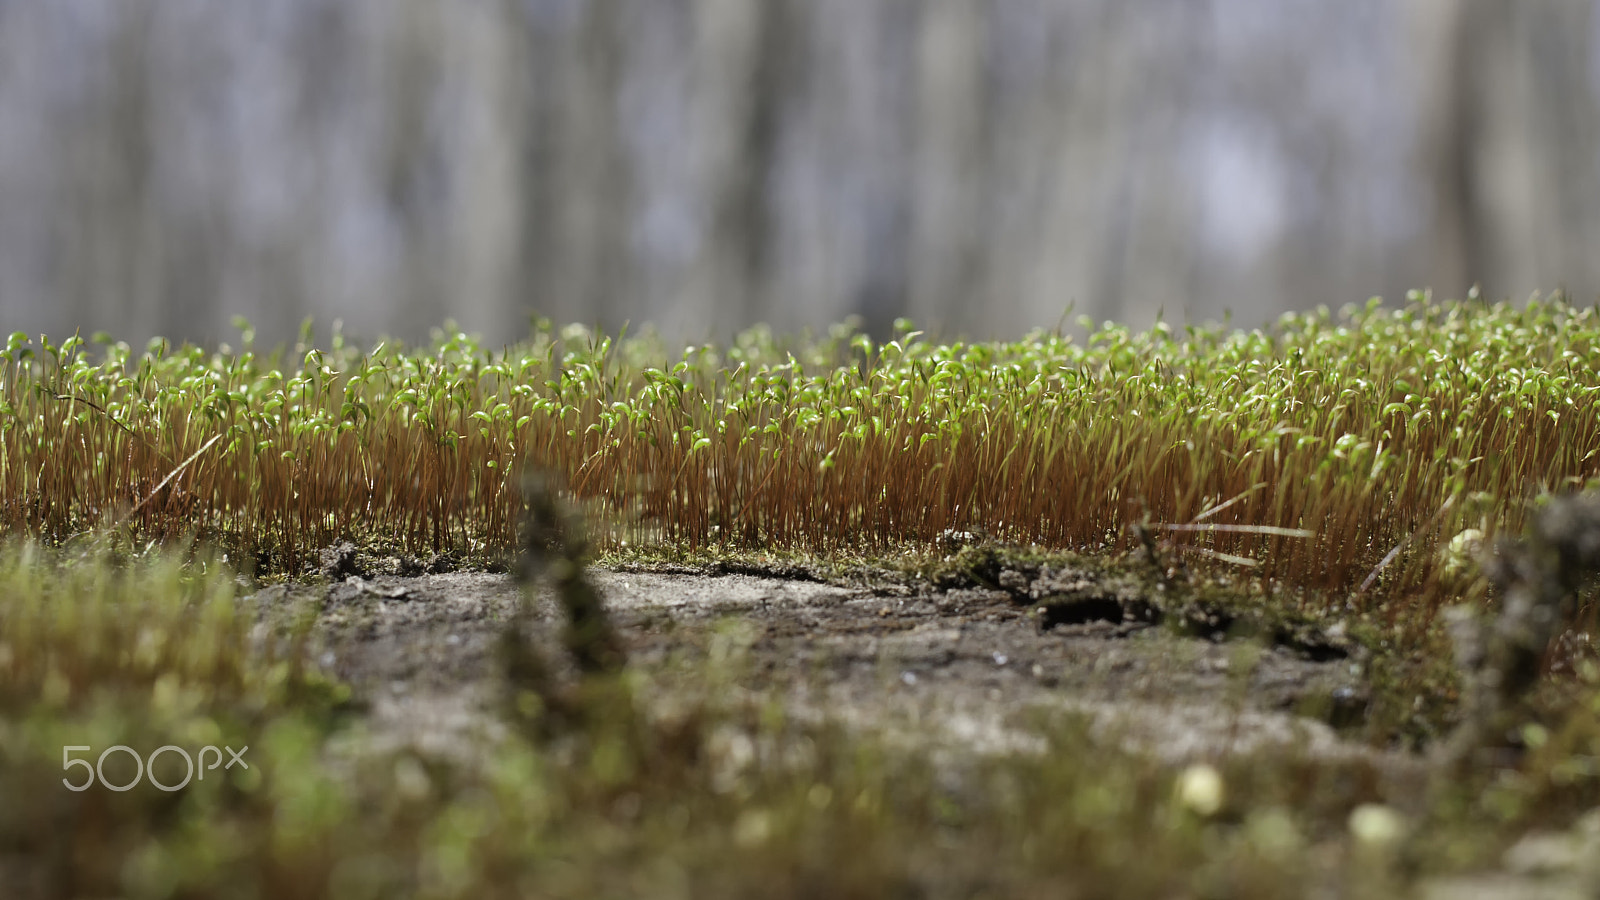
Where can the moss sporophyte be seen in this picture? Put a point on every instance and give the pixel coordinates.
(1315, 452)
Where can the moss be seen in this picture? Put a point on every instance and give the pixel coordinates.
(1303, 488)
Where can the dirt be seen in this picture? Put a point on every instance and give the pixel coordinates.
(964, 670)
(968, 668)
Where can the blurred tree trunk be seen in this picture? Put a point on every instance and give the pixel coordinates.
(1453, 139)
(1563, 133)
(576, 197)
(1510, 146)
(411, 165)
(745, 220)
(951, 157)
(597, 208)
(108, 252)
(538, 234)
(879, 101)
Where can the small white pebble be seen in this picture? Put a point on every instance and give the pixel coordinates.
(1376, 824)
(909, 678)
(1001, 659)
(1200, 789)
(1459, 555)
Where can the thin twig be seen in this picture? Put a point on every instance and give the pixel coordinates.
(170, 475)
(1241, 529)
(99, 409)
(1389, 557)
(1224, 505)
(1225, 557)
(753, 494)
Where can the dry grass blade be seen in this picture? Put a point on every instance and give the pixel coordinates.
(167, 480)
(1389, 557)
(1227, 503)
(1245, 561)
(1240, 529)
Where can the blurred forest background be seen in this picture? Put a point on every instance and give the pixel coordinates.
(701, 165)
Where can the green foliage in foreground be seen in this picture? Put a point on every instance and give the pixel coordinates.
(1321, 451)
(728, 799)
(706, 796)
